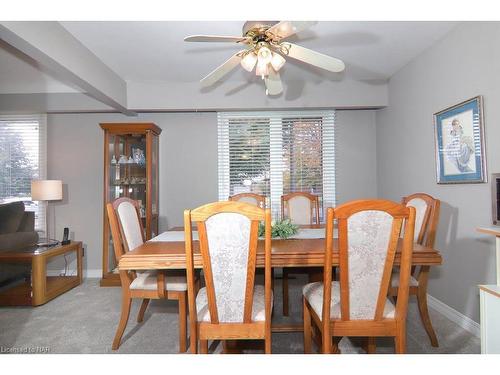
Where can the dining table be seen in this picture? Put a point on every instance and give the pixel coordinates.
(304, 249)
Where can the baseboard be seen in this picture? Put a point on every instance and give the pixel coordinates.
(455, 316)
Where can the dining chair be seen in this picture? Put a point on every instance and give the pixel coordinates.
(231, 306)
(301, 208)
(426, 221)
(127, 233)
(357, 304)
(251, 198)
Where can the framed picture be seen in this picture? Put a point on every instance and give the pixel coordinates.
(459, 137)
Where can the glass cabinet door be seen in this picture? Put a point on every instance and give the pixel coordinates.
(127, 175)
(127, 169)
(154, 187)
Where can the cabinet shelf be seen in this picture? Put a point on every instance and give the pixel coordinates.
(140, 166)
(134, 184)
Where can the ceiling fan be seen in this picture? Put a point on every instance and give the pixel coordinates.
(266, 51)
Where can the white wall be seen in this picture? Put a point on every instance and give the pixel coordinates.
(188, 167)
(464, 64)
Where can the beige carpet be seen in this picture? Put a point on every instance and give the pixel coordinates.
(84, 320)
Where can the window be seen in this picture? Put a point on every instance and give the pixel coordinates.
(22, 159)
(274, 153)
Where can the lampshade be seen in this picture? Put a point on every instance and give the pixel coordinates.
(277, 61)
(46, 190)
(249, 61)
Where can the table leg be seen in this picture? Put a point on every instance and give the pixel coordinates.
(38, 280)
(79, 261)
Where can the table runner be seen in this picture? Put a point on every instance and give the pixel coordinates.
(305, 233)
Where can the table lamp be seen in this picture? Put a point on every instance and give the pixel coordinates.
(46, 190)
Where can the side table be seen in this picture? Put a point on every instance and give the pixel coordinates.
(489, 297)
(41, 288)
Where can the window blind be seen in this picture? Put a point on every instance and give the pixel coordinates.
(272, 153)
(22, 159)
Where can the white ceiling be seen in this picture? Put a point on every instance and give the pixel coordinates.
(156, 52)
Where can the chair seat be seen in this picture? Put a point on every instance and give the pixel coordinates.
(313, 293)
(148, 280)
(395, 280)
(258, 307)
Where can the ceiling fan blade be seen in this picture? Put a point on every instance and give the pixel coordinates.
(215, 38)
(273, 83)
(222, 70)
(309, 56)
(284, 29)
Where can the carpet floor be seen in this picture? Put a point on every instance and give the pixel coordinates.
(84, 320)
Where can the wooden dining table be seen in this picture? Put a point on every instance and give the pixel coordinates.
(291, 252)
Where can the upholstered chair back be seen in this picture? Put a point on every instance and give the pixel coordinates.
(368, 235)
(250, 198)
(427, 216)
(228, 237)
(127, 211)
(301, 208)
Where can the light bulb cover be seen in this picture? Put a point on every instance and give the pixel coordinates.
(264, 55)
(277, 61)
(262, 69)
(248, 62)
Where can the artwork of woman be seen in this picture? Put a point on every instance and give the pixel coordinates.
(460, 148)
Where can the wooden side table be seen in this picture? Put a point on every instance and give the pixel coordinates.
(41, 288)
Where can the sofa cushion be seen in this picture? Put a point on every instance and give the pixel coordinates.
(11, 215)
(28, 222)
(17, 240)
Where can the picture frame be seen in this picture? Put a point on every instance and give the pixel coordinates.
(459, 143)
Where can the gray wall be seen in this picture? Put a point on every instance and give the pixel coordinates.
(188, 167)
(462, 65)
(356, 150)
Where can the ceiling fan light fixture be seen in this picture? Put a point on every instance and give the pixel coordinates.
(266, 51)
(262, 70)
(277, 61)
(248, 62)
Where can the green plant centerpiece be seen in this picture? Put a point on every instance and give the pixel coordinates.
(282, 228)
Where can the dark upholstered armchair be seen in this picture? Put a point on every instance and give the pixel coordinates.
(17, 230)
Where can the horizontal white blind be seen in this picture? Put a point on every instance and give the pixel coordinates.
(272, 153)
(22, 159)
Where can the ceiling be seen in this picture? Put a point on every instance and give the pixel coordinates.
(162, 72)
(156, 52)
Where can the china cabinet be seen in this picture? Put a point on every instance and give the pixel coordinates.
(130, 170)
